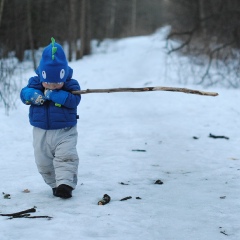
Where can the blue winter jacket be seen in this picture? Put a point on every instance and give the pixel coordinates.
(48, 116)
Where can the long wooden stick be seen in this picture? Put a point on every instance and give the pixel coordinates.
(146, 89)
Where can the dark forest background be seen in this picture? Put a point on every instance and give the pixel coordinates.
(29, 24)
(208, 31)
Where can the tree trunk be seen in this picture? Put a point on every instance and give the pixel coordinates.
(30, 35)
(82, 27)
(85, 31)
(134, 17)
(72, 29)
(1, 10)
(202, 15)
(111, 25)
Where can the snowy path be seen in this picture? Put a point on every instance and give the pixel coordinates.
(199, 199)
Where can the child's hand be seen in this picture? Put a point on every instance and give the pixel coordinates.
(34, 96)
(57, 96)
(37, 98)
(47, 93)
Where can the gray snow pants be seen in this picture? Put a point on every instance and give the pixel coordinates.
(56, 155)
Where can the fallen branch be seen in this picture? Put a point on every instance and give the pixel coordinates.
(106, 199)
(19, 213)
(126, 198)
(24, 214)
(49, 218)
(146, 89)
(159, 182)
(20, 216)
(214, 136)
(29, 216)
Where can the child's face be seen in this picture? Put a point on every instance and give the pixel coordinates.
(53, 86)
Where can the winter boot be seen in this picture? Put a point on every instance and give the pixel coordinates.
(54, 192)
(63, 191)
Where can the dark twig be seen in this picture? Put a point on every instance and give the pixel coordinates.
(20, 216)
(126, 198)
(223, 232)
(214, 136)
(122, 183)
(19, 213)
(24, 214)
(29, 216)
(138, 150)
(39, 217)
(160, 182)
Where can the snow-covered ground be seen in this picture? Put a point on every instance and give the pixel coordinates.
(199, 197)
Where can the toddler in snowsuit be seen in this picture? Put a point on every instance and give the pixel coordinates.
(53, 115)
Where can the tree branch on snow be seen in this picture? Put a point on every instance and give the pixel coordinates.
(19, 213)
(24, 214)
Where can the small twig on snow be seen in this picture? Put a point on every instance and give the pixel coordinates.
(106, 199)
(214, 136)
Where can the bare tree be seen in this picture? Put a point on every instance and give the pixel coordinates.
(1, 10)
(202, 15)
(85, 29)
(211, 42)
(111, 24)
(30, 34)
(10, 76)
(72, 29)
(134, 17)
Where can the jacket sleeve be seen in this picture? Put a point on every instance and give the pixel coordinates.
(72, 100)
(22, 95)
(33, 86)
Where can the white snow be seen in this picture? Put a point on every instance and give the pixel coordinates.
(199, 199)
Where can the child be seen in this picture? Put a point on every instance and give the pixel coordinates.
(53, 115)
